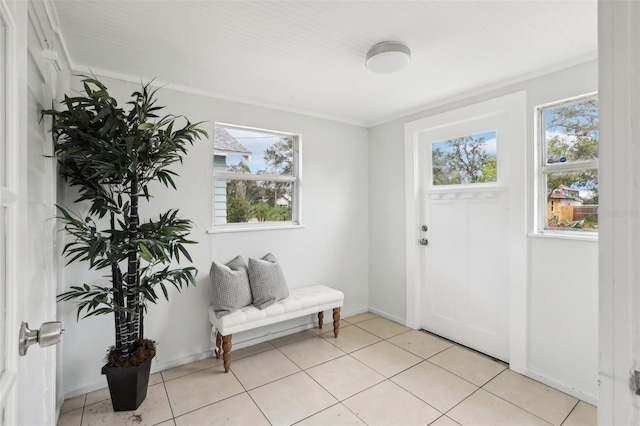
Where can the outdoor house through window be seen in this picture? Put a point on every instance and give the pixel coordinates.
(256, 177)
(568, 167)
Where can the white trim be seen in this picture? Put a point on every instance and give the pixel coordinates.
(619, 245)
(566, 235)
(157, 83)
(542, 169)
(14, 156)
(588, 398)
(388, 316)
(447, 100)
(569, 166)
(251, 176)
(247, 227)
(295, 180)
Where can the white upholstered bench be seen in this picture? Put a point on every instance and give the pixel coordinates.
(301, 301)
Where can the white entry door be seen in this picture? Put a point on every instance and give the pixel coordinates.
(27, 185)
(467, 174)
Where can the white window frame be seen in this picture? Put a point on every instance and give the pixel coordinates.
(295, 179)
(543, 168)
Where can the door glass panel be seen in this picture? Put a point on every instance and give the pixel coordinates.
(465, 160)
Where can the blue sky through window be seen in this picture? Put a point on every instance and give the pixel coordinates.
(489, 145)
(257, 143)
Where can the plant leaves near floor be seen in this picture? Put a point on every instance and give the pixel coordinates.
(111, 155)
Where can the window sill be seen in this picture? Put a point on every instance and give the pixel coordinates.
(559, 235)
(240, 228)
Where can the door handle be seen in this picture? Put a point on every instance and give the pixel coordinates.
(49, 334)
(424, 242)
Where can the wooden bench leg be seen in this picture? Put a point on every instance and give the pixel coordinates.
(218, 344)
(336, 321)
(226, 355)
(320, 318)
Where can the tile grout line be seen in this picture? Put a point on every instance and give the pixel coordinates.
(571, 411)
(350, 354)
(164, 385)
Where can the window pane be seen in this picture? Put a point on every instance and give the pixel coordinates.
(464, 160)
(255, 152)
(571, 132)
(572, 200)
(249, 201)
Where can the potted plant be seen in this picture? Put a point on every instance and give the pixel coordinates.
(111, 156)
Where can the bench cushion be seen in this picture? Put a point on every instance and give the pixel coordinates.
(301, 301)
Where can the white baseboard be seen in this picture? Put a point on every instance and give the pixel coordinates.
(238, 343)
(390, 317)
(588, 398)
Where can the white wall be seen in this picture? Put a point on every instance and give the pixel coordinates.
(561, 320)
(331, 248)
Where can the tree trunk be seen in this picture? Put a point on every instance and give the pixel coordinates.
(133, 278)
(116, 280)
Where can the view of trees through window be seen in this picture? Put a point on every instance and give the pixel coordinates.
(254, 174)
(570, 169)
(465, 160)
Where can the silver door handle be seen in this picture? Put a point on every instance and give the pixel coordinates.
(49, 334)
(424, 242)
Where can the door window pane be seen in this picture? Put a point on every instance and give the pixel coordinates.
(465, 160)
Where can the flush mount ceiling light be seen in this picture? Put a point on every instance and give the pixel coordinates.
(388, 57)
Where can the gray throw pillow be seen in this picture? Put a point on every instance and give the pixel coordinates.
(267, 281)
(230, 288)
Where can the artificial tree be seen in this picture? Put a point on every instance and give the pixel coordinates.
(112, 156)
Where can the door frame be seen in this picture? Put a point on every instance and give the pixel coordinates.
(13, 155)
(619, 234)
(515, 105)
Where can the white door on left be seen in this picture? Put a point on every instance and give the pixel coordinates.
(27, 187)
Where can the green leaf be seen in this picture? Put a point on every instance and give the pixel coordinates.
(145, 253)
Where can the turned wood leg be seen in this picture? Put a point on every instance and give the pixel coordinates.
(336, 321)
(218, 344)
(226, 355)
(320, 318)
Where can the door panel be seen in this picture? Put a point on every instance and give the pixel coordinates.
(465, 273)
(442, 299)
(469, 283)
(36, 376)
(27, 393)
(465, 267)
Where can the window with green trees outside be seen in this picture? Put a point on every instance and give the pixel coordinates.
(568, 166)
(256, 177)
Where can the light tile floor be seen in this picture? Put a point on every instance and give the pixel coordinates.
(376, 372)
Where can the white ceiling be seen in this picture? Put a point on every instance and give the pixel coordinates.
(308, 56)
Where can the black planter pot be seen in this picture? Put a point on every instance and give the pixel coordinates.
(128, 385)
